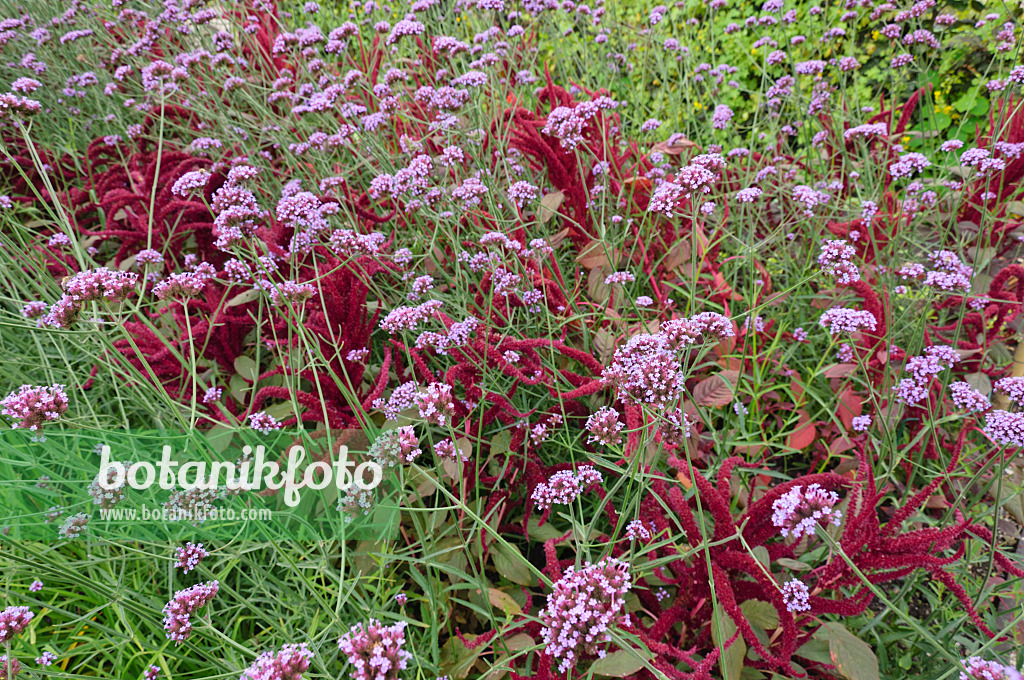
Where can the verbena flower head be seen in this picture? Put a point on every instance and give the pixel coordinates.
(798, 511)
(834, 260)
(436, 404)
(796, 596)
(845, 320)
(36, 586)
(13, 620)
(287, 664)
(582, 608)
(178, 612)
(32, 406)
(1005, 427)
(565, 486)
(188, 556)
(967, 398)
(73, 526)
(375, 650)
(1013, 388)
(604, 427)
(14, 664)
(976, 668)
(46, 659)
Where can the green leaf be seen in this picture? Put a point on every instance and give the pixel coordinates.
(501, 442)
(760, 553)
(621, 663)
(795, 565)
(761, 613)
(511, 564)
(731, 662)
(851, 655)
(246, 367)
(815, 650)
(504, 602)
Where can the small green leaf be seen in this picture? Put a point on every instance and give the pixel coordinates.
(621, 663)
(247, 368)
(795, 565)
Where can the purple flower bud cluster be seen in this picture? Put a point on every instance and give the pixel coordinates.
(834, 260)
(188, 556)
(565, 486)
(112, 494)
(13, 620)
(395, 447)
(31, 406)
(636, 531)
(263, 422)
(1013, 388)
(967, 398)
(799, 511)
(923, 368)
(582, 608)
(73, 526)
(845, 320)
(796, 596)
(375, 650)
(436, 404)
(976, 668)
(178, 612)
(46, 659)
(289, 663)
(1005, 428)
(949, 273)
(604, 427)
(13, 663)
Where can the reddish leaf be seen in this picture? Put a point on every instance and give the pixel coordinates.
(713, 391)
(839, 370)
(805, 432)
(850, 406)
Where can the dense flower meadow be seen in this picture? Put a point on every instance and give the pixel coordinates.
(730, 393)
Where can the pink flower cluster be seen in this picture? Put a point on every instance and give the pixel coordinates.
(581, 610)
(845, 320)
(565, 486)
(178, 612)
(13, 620)
(188, 556)
(923, 368)
(1005, 427)
(834, 260)
(395, 447)
(287, 664)
(799, 511)
(436, 404)
(976, 668)
(604, 427)
(31, 406)
(1013, 388)
(375, 650)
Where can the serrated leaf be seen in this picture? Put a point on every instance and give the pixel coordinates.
(852, 656)
(549, 204)
(621, 663)
(511, 564)
(761, 613)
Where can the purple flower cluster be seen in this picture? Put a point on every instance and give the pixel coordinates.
(845, 320)
(923, 368)
(1013, 388)
(582, 608)
(796, 596)
(604, 427)
(178, 612)
(395, 447)
(565, 486)
(32, 406)
(834, 260)
(289, 663)
(188, 556)
(375, 650)
(73, 526)
(436, 404)
(799, 511)
(13, 620)
(1005, 428)
(976, 668)
(967, 398)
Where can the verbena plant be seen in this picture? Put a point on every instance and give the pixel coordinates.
(686, 335)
